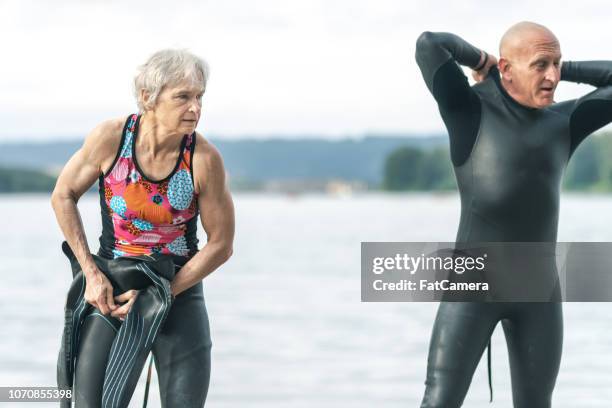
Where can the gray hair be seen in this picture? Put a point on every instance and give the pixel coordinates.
(167, 68)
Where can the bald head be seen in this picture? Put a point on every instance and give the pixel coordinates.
(522, 37)
(530, 64)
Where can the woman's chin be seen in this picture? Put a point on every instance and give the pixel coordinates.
(188, 127)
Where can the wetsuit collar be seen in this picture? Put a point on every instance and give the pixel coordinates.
(494, 73)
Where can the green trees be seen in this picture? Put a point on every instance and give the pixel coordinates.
(408, 168)
(590, 168)
(25, 181)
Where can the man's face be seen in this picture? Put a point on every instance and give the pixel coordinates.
(536, 70)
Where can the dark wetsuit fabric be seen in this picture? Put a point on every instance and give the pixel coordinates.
(181, 352)
(508, 160)
(110, 354)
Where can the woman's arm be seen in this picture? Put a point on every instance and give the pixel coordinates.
(77, 176)
(216, 214)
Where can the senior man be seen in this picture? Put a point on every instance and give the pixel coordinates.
(510, 144)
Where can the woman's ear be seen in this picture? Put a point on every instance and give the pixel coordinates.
(144, 97)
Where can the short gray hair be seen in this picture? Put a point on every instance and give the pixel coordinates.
(167, 68)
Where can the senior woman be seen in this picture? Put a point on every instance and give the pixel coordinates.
(155, 174)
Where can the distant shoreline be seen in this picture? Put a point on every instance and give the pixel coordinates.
(299, 166)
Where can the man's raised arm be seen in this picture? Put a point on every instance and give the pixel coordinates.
(596, 73)
(437, 55)
(594, 110)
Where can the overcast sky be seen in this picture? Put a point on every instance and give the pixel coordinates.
(331, 68)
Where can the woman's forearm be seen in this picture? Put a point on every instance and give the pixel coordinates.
(207, 260)
(69, 220)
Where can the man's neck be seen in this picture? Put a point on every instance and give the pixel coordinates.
(513, 93)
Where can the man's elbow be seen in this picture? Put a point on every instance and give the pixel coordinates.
(425, 41)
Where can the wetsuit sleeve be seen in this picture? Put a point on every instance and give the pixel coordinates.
(594, 110)
(438, 56)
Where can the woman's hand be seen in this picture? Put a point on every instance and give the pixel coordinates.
(129, 298)
(99, 292)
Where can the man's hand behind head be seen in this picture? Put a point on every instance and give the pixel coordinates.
(482, 73)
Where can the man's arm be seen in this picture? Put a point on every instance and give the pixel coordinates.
(216, 214)
(596, 73)
(437, 55)
(594, 110)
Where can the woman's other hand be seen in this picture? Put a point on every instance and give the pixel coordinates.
(127, 298)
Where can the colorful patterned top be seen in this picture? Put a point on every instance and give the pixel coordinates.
(144, 216)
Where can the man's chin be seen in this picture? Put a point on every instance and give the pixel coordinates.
(544, 102)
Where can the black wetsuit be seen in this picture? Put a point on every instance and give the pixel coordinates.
(508, 160)
(181, 352)
(101, 357)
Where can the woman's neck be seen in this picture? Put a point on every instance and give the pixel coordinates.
(155, 138)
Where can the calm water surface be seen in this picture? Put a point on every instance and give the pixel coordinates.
(288, 326)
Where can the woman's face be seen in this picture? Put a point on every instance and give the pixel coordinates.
(178, 108)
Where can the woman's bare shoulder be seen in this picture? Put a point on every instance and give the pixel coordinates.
(207, 162)
(102, 143)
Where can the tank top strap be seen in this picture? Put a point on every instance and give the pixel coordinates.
(128, 135)
(187, 153)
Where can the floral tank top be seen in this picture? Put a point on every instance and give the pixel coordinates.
(141, 216)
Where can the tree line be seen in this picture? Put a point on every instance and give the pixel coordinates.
(408, 168)
(21, 180)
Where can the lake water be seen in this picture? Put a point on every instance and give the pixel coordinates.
(289, 329)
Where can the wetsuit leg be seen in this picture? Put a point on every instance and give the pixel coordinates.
(460, 334)
(182, 352)
(97, 335)
(534, 333)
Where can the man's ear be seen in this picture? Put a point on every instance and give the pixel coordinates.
(505, 69)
